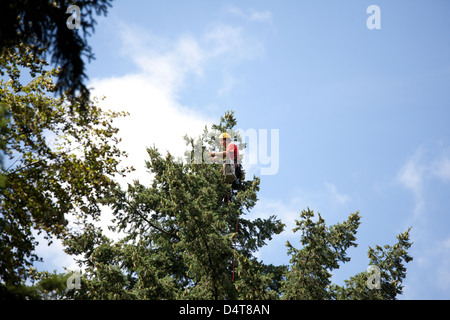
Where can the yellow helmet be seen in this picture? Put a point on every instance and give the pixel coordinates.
(224, 136)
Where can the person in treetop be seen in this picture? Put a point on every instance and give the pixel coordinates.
(230, 155)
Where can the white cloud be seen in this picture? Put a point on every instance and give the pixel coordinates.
(411, 176)
(418, 170)
(427, 170)
(156, 118)
(251, 15)
(337, 197)
(436, 263)
(441, 169)
(260, 16)
(230, 44)
(229, 82)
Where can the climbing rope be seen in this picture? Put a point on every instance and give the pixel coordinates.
(227, 199)
(235, 242)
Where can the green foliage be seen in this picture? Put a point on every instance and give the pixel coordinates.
(256, 280)
(390, 261)
(325, 247)
(59, 162)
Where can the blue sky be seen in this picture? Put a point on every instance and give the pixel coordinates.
(362, 114)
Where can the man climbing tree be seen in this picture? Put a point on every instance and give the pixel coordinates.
(232, 169)
(230, 157)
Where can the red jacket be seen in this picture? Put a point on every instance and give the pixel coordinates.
(232, 147)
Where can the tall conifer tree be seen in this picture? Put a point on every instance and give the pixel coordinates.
(181, 234)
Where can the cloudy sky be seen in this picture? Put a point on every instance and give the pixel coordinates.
(359, 116)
